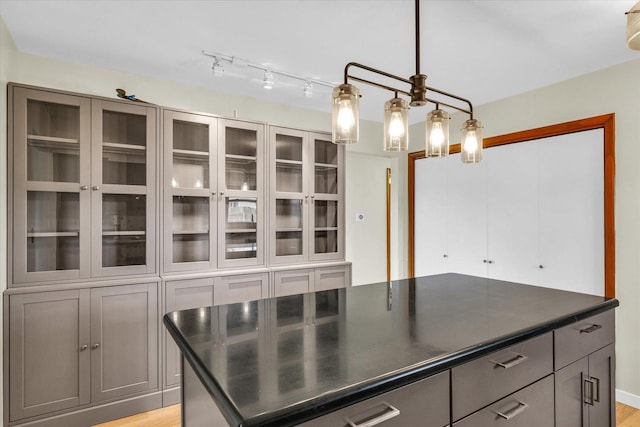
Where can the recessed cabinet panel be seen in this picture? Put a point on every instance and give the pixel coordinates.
(123, 230)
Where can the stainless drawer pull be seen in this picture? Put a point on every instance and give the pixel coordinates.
(388, 413)
(512, 362)
(512, 413)
(590, 329)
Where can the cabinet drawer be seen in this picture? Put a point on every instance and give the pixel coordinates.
(245, 287)
(424, 403)
(332, 278)
(292, 282)
(482, 381)
(579, 339)
(532, 406)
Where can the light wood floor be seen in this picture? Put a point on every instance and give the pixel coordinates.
(170, 417)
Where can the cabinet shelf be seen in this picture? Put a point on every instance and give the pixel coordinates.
(50, 141)
(124, 233)
(190, 154)
(240, 230)
(55, 234)
(187, 232)
(281, 162)
(242, 248)
(325, 166)
(326, 228)
(236, 158)
(112, 147)
(288, 229)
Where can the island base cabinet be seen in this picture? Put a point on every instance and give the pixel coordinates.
(424, 403)
(585, 391)
(531, 406)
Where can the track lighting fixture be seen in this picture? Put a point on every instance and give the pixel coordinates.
(267, 81)
(308, 89)
(218, 68)
(346, 120)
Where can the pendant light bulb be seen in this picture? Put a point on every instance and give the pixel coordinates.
(345, 114)
(437, 133)
(471, 134)
(396, 123)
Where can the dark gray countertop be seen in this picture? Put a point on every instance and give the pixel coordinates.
(286, 360)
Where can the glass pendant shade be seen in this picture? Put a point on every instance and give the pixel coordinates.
(437, 134)
(471, 141)
(345, 114)
(396, 125)
(633, 27)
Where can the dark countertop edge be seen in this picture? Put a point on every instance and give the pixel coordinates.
(330, 402)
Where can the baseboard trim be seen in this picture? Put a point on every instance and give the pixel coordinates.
(628, 398)
(170, 396)
(101, 413)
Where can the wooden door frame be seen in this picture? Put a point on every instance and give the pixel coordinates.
(605, 122)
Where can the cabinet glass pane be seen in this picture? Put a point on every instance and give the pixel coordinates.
(326, 242)
(190, 172)
(242, 318)
(124, 224)
(53, 145)
(289, 177)
(190, 247)
(240, 173)
(190, 136)
(326, 152)
(53, 229)
(124, 148)
(288, 147)
(241, 226)
(288, 227)
(190, 229)
(241, 148)
(290, 310)
(326, 179)
(325, 213)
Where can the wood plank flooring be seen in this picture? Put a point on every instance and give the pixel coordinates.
(626, 416)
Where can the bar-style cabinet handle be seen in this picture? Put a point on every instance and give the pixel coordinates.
(590, 329)
(512, 362)
(512, 413)
(588, 391)
(387, 413)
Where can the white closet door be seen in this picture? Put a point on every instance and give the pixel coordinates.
(512, 200)
(467, 208)
(572, 212)
(431, 216)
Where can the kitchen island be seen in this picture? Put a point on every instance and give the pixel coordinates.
(432, 351)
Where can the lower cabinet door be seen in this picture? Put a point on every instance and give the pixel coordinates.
(570, 407)
(293, 282)
(240, 288)
(531, 406)
(124, 340)
(182, 295)
(332, 278)
(601, 388)
(424, 403)
(48, 352)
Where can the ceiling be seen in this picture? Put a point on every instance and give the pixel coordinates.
(480, 50)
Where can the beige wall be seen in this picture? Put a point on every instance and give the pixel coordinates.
(612, 90)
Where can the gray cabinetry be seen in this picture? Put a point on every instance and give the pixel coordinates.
(83, 187)
(302, 280)
(306, 197)
(585, 387)
(78, 347)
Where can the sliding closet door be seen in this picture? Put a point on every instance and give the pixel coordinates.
(571, 212)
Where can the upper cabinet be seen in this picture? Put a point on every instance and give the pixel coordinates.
(306, 197)
(213, 192)
(83, 187)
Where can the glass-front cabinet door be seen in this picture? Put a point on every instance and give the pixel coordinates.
(240, 193)
(51, 148)
(190, 191)
(289, 203)
(327, 199)
(123, 188)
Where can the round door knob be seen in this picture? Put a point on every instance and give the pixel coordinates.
(213, 193)
(84, 187)
(222, 193)
(541, 267)
(306, 196)
(95, 346)
(490, 262)
(484, 260)
(84, 347)
(313, 195)
(96, 187)
(445, 256)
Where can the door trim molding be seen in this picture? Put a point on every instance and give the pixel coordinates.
(605, 122)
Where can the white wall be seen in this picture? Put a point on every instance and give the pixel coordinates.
(612, 90)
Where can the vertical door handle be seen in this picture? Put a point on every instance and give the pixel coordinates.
(588, 391)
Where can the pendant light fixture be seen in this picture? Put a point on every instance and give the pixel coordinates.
(396, 130)
(633, 27)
